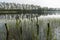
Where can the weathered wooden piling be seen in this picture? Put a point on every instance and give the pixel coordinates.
(3, 32)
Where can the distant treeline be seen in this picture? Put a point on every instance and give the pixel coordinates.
(26, 8)
(4, 5)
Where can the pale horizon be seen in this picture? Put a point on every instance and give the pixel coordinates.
(42, 3)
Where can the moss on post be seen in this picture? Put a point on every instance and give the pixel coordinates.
(19, 28)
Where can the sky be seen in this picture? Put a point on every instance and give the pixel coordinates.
(42, 3)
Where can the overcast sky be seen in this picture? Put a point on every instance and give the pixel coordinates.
(42, 3)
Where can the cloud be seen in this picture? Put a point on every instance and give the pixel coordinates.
(43, 3)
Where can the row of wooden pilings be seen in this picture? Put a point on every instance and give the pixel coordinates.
(40, 28)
